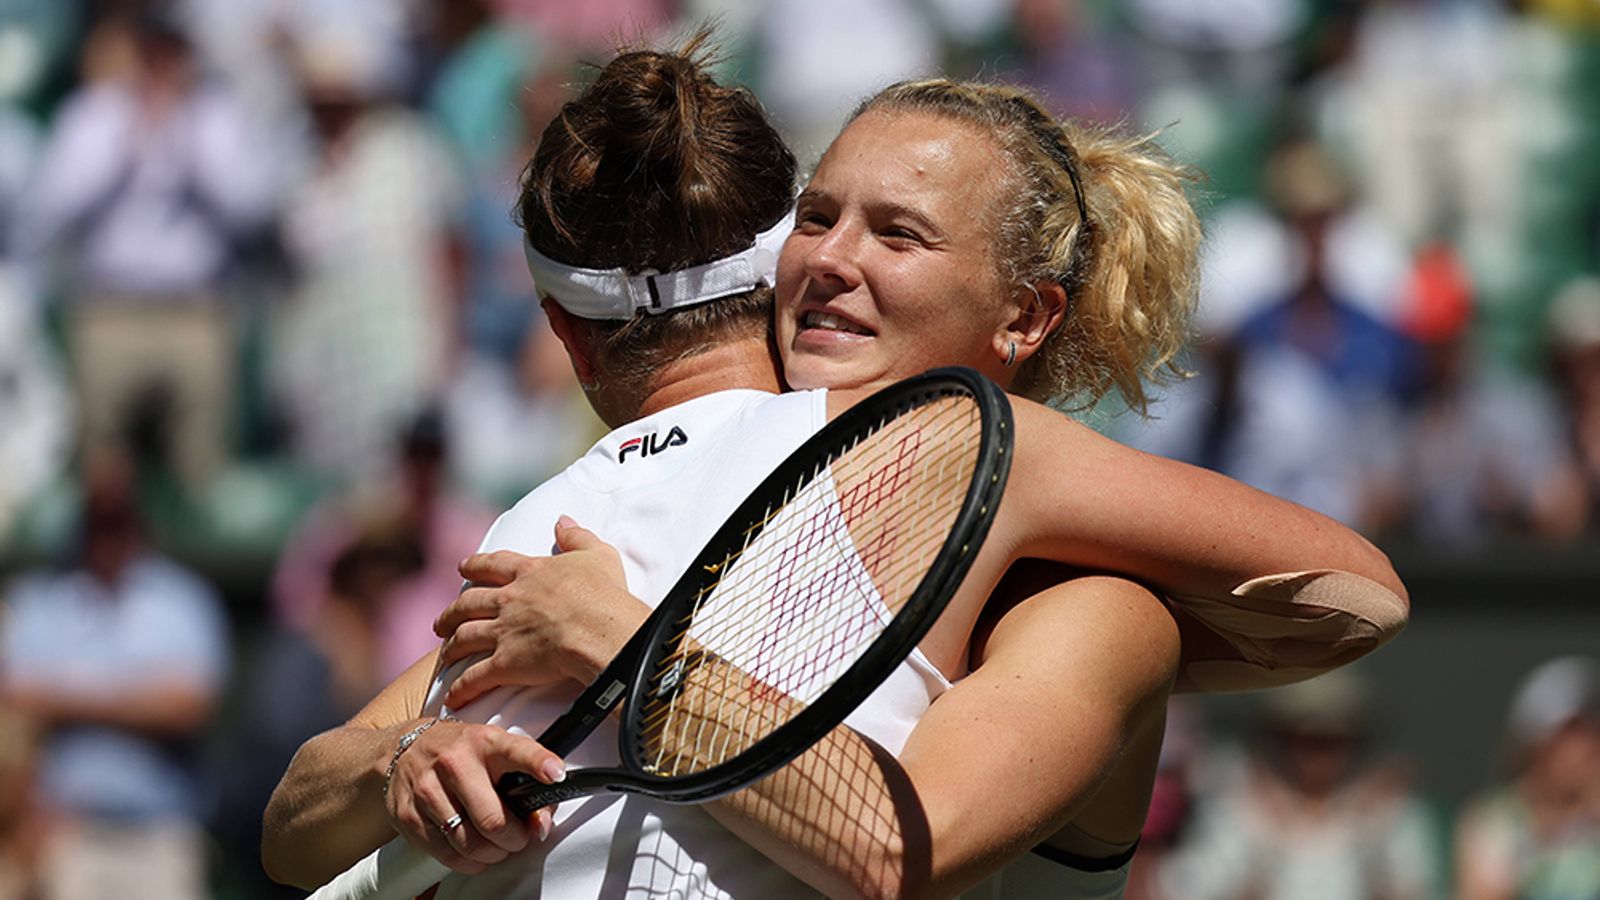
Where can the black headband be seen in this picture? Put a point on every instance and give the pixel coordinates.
(1056, 145)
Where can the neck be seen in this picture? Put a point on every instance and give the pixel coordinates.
(743, 364)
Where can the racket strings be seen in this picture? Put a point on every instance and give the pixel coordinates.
(810, 588)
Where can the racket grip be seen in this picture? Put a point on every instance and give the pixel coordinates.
(524, 795)
(395, 871)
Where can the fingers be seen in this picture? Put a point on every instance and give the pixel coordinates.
(476, 680)
(469, 638)
(571, 536)
(473, 603)
(448, 804)
(524, 755)
(420, 817)
(492, 569)
(485, 816)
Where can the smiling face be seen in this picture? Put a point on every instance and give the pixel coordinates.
(890, 270)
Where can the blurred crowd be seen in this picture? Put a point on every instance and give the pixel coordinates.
(270, 364)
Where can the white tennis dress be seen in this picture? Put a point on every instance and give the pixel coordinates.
(656, 489)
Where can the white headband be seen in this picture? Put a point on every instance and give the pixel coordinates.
(615, 294)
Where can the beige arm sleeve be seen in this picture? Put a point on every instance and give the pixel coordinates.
(1290, 627)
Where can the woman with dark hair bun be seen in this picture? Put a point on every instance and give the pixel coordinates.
(934, 232)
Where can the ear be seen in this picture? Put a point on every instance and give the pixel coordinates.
(575, 337)
(1041, 308)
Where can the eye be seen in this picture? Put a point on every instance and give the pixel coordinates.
(900, 235)
(811, 221)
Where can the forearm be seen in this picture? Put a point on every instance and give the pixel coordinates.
(328, 810)
(1181, 527)
(1289, 592)
(844, 817)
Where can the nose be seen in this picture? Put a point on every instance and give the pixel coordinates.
(830, 258)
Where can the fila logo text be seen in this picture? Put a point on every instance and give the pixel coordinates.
(651, 444)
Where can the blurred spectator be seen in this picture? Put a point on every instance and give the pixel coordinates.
(1215, 74)
(319, 587)
(1328, 320)
(493, 98)
(119, 659)
(1314, 817)
(885, 41)
(591, 29)
(1574, 330)
(251, 43)
(301, 685)
(1319, 379)
(1239, 46)
(513, 423)
(363, 341)
(1300, 387)
(1426, 109)
(1484, 451)
(1538, 837)
(479, 68)
(147, 180)
(1181, 777)
(35, 405)
(23, 828)
(513, 410)
(1068, 55)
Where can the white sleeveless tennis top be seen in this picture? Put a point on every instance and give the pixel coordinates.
(656, 489)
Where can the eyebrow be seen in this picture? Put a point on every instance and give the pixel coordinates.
(884, 209)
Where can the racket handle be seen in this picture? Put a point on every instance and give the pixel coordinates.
(523, 794)
(395, 871)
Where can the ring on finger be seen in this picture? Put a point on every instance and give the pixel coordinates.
(450, 824)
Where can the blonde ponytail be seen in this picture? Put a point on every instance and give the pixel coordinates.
(1132, 307)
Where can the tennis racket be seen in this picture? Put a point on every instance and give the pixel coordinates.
(814, 590)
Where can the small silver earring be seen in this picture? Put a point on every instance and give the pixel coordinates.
(1011, 353)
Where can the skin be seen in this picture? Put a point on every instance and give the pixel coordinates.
(892, 236)
(1065, 666)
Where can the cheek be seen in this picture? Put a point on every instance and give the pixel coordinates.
(791, 270)
(949, 320)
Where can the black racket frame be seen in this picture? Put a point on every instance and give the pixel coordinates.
(632, 672)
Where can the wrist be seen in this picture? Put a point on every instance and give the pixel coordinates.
(401, 745)
(608, 642)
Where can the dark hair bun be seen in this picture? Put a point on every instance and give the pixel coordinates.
(655, 166)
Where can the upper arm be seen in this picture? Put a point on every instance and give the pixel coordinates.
(1179, 525)
(401, 699)
(1290, 592)
(1022, 745)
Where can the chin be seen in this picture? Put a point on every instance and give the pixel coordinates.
(806, 372)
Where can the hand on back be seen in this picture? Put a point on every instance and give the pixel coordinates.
(538, 620)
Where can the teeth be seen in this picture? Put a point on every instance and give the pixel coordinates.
(832, 323)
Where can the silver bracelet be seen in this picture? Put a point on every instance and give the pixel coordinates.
(406, 740)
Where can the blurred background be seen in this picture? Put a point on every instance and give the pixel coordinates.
(269, 365)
